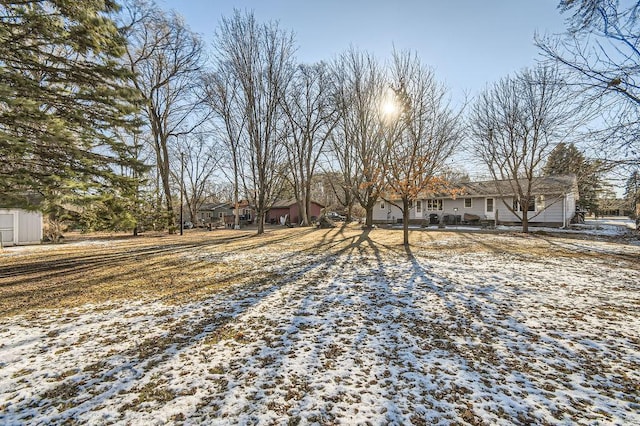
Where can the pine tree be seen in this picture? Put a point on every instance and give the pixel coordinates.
(63, 93)
(566, 159)
(632, 193)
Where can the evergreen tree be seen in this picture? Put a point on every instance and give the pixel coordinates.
(632, 193)
(566, 159)
(63, 93)
(563, 160)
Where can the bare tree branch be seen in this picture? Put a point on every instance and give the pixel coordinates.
(167, 59)
(260, 57)
(515, 124)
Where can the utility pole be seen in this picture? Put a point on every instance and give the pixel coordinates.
(181, 192)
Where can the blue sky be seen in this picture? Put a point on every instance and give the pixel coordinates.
(468, 43)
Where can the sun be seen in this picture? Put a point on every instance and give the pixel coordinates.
(389, 106)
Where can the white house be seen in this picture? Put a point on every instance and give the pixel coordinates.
(554, 206)
(19, 226)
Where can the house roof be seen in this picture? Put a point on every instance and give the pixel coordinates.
(285, 204)
(242, 204)
(214, 206)
(547, 185)
(551, 185)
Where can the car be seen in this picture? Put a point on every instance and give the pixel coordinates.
(336, 217)
(187, 225)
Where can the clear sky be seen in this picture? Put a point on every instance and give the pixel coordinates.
(468, 43)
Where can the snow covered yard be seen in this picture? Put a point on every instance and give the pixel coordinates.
(322, 327)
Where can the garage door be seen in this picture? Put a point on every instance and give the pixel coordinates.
(6, 227)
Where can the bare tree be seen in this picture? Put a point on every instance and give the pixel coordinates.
(260, 57)
(167, 60)
(201, 157)
(602, 50)
(219, 191)
(324, 186)
(359, 144)
(223, 96)
(422, 132)
(311, 116)
(515, 123)
(341, 153)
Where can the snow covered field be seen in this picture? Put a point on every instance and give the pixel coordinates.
(340, 327)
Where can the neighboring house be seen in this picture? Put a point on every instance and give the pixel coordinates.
(19, 226)
(290, 210)
(213, 213)
(555, 204)
(246, 211)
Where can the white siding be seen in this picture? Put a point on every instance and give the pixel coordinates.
(385, 212)
(20, 227)
(558, 210)
(449, 206)
(552, 214)
(29, 227)
(6, 227)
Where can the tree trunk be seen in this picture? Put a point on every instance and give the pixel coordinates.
(307, 204)
(236, 220)
(405, 222)
(260, 221)
(525, 222)
(369, 218)
(304, 212)
(349, 205)
(162, 158)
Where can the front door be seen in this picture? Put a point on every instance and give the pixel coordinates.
(490, 209)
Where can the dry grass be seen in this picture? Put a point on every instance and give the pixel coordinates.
(111, 268)
(321, 315)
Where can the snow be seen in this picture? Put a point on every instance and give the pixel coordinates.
(437, 335)
(607, 226)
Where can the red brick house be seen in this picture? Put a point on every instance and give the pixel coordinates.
(289, 208)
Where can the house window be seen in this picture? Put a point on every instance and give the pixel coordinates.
(433, 205)
(221, 215)
(489, 205)
(540, 203)
(382, 204)
(467, 203)
(418, 206)
(410, 204)
(517, 206)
